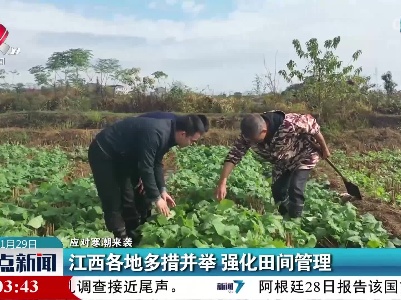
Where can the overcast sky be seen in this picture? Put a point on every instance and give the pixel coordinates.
(215, 43)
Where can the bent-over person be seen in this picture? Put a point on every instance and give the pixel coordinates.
(288, 142)
(134, 148)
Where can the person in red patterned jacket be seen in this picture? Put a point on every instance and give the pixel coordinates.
(288, 141)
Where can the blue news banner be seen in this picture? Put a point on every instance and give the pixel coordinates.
(89, 272)
(197, 261)
(232, 262)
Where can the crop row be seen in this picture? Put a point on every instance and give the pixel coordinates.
(255, 221)
(36, 200)
(376, 171)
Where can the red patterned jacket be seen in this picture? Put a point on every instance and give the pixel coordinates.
(288, 148)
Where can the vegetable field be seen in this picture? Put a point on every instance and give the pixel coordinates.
(39, 197)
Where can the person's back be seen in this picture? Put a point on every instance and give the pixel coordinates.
(173, 116)
(124, 138)
(159, 115)
(133, 148)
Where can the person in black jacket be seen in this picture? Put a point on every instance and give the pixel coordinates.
(133, 192)
(172, 116)
(137, 145)
(162, 115)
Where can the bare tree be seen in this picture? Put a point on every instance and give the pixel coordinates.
(267, 82)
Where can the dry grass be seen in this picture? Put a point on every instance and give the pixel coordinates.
(71, 138)
(353, 140)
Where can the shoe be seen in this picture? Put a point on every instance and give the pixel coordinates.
(135, 236)
(283, 207)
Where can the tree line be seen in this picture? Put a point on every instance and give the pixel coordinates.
(73, 67)
(325, 84)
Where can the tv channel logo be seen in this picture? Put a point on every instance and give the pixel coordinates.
(231, 287)
(5, 48)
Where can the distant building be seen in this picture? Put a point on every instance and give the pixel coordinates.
(159, 92)
(121, 90)
(91, 86)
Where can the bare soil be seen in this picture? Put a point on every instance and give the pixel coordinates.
(80, 170)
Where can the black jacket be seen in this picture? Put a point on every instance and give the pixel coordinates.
(142, 143)
(159, 115)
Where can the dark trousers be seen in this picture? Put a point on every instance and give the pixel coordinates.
(130, 194)
(123, 212)
(288, 192)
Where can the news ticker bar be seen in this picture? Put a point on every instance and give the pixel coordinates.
(224, 287)
(45, 256)
(232, 262)
(196, 262)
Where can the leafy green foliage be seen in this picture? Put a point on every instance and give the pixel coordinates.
(22, 166)
(72, 210)
(208, 224)
(376, 172)
(324, 83)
